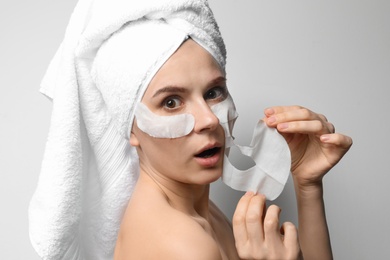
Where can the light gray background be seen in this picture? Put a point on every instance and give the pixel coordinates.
(331, 56)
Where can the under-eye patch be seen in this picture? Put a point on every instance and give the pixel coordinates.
(163, 126)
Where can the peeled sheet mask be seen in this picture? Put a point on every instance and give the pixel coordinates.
(268, 149)
(271, 154)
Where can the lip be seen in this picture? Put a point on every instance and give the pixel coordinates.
(212, 160)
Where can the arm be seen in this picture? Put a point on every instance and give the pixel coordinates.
(313, 229)
(315, 149)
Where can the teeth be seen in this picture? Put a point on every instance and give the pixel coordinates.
(208, 153)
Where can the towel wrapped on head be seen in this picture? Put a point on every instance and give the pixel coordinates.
(110, 52)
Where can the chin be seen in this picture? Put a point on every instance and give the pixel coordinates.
(209, 176)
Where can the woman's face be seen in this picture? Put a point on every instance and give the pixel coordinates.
(189, 82)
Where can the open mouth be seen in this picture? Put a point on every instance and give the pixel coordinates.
(209, 152)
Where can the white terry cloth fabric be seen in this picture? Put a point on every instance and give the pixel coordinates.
(111, 50)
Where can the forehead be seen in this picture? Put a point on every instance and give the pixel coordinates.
(191, 65)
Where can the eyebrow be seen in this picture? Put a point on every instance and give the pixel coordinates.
(218, 80)
(176, 89)
(169, 89)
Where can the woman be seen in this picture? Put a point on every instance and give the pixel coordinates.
(169, 56)
(175, 175)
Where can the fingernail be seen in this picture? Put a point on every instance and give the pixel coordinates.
(249, 193)
(269, 111)
(271, 120)
(283, 126)
(325, 138)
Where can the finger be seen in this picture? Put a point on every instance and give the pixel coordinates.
(331, 127)
(339, 140)
(254, 219)
(323, 117)
(290, 238)
(280, 109)
(289, 232)
(298, 114)
(271, 225)
(281, 115)
(304, 127)
(239, 218)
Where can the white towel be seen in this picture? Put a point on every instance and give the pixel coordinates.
(111, 50)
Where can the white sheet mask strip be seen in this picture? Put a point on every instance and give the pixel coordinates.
(226, 112)
(163, 126)
(271, 153)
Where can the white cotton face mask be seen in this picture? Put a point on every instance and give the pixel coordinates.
(268, 149)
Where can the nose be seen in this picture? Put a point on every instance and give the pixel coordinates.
(205, 119)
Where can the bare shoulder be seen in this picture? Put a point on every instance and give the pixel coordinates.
(219, 215)
(160, 232)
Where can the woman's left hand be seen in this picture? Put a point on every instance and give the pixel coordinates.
(315, 147)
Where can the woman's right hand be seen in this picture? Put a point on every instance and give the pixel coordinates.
(257, 232)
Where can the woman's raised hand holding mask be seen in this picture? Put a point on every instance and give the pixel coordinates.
(315, 149)
(314, 145)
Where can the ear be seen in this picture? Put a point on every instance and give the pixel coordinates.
(133, 140)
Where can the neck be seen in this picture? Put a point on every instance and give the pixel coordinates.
(190, 199)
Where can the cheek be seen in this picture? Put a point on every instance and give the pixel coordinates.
(167, 158)
(164, 152)
(157, 149)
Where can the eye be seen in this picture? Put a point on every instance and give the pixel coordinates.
(216, 93)
(171, 103)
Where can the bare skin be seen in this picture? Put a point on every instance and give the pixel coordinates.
(170, 215)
